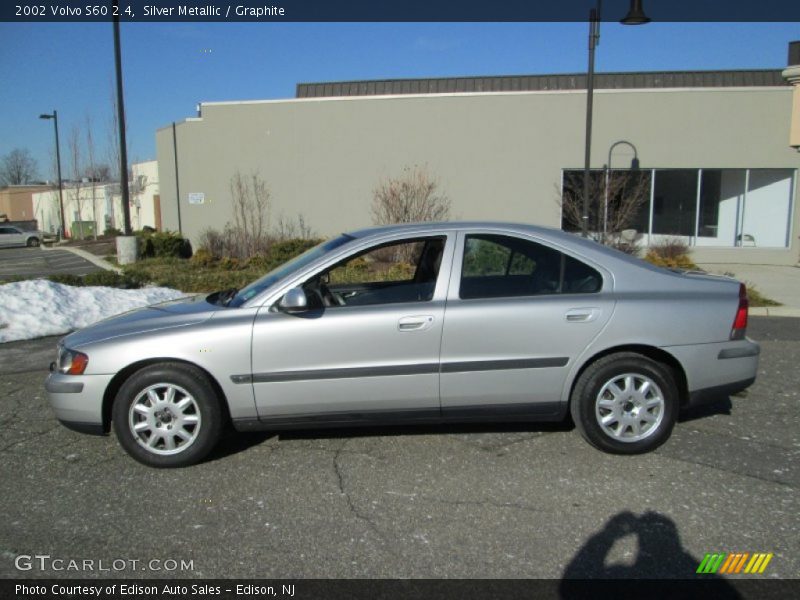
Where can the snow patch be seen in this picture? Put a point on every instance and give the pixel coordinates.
(37, 308)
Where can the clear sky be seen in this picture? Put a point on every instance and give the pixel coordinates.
(169, 68)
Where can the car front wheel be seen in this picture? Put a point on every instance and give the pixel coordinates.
(625, 403)
(167, 416)
(33, 242)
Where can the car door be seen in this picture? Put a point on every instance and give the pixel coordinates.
(369, 344)
(11, 236)
(518, 313)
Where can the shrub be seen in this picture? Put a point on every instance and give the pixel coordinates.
(163, 244)
(679, 262)
(672, 253)
(280, 252)
(66, 279)
(229, 263)
(258, 262)
(202, 258)
(100, 279)
(213, 242)
(112, 232)
(112, 279)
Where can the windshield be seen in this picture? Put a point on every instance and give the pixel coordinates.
(286, 269)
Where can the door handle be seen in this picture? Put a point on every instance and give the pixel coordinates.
(415, 323)
(582, 315)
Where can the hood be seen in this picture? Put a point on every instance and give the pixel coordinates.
(173, 313)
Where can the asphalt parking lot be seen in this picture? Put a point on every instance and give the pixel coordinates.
(466, 502)
(38, 262)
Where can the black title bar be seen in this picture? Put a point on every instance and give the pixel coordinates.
(276, 11)
(705, 587)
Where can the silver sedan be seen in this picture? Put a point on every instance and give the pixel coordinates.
(458, 322)
(11, 235)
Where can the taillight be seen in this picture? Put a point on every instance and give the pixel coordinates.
(740, 322)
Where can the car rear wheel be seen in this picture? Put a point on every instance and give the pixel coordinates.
(167, 415)
(625, 403)
(33, 242)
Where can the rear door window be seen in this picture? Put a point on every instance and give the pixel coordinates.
(497, 266)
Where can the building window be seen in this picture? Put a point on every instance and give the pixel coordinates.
(767, 207)
(705, 207)
(674, 198)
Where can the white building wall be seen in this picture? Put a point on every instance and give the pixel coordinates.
(87, 204)
(101, 203)
(144, 188)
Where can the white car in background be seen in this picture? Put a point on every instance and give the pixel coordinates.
(11, 235)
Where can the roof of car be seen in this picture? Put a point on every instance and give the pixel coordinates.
(448, 226)
(584, 246)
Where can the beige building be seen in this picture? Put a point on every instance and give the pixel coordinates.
(16, 202)
(713, 146)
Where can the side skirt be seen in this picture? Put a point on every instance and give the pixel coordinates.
(501, 413)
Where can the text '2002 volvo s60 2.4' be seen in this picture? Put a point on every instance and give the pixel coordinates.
(464, 322)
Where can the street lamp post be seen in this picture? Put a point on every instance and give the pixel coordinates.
(635, 16)
(54, 116)
(607, 169)
(123, 147)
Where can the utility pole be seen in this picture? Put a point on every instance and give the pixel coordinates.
(123, 152)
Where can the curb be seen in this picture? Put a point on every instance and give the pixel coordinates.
(774, 311)
(99, 262)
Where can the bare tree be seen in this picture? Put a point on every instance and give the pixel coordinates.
(91, 171)
(613, 207)
(410, 198)
(17, 167)
(99, 173)
(251, 206)
(76, 186)
(289, 229)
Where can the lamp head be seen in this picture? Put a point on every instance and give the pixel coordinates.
(635, 14)
(45, 116)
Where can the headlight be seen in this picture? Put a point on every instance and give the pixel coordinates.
(71, 362)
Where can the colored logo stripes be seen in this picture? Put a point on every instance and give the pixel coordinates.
(734, 562)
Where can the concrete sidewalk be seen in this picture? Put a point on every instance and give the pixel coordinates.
(88, 256)
(780, 283)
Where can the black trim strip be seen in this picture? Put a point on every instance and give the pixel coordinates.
(511, 412)
(63, 387)
(346, 373)
(387, 371)
(500, 365)
(739, 352)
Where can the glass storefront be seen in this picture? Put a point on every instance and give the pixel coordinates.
(705, 207)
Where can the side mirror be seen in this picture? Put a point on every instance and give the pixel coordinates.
(294, 301)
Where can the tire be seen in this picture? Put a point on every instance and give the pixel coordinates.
(625, 403)
(33, 242)
(167, 415)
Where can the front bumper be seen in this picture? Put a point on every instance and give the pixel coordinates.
(77, 400)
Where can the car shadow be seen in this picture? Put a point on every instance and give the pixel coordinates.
(718, 406)
(233, 442)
